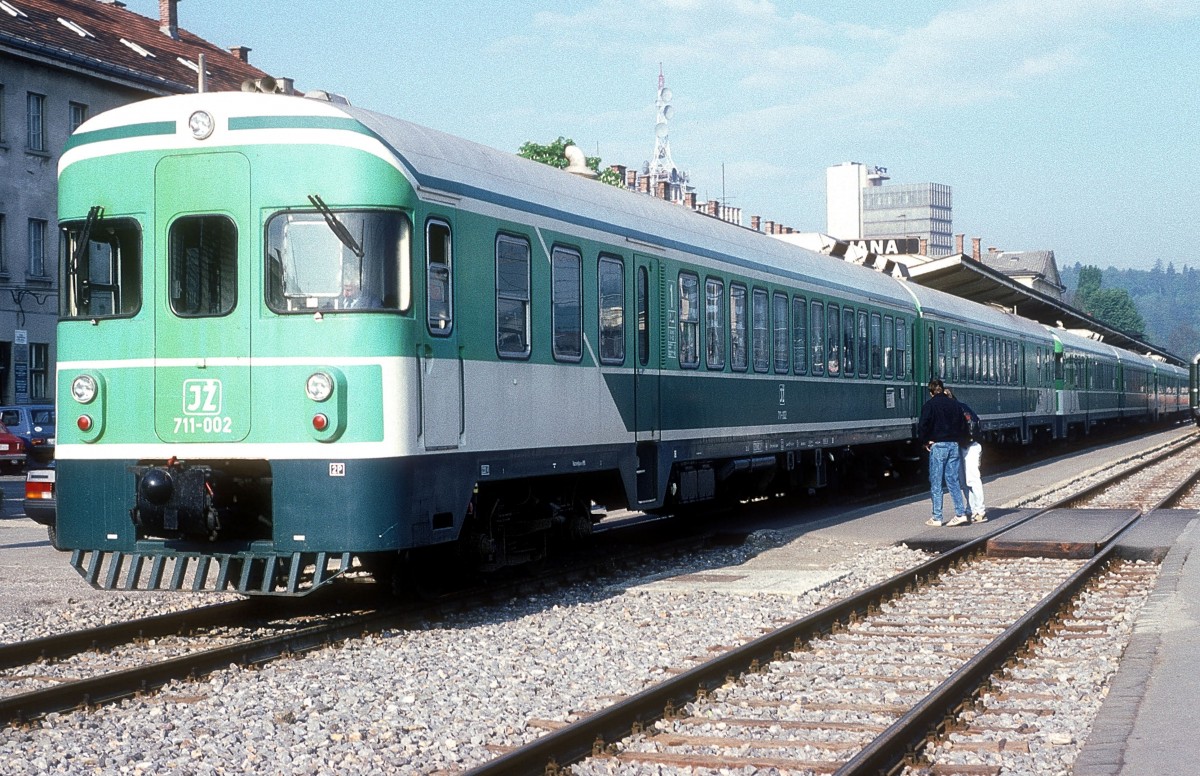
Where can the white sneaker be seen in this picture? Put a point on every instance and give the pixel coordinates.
(959, 520)
(933, 522)
(979, 517)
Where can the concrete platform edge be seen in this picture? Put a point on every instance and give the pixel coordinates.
(1128, 735)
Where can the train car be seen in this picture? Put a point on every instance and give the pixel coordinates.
(1194, 388)
(295, 333)
(298, 338)
(1170, 392)
(996, 362)
(1088, 382)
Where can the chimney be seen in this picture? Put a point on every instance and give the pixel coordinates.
(168, 18)
(769, 227)
(713, 208)
(660, 189)
(644, 184)
(923, 246)
(975, 248)
(619, 169)
(689, 199)
(958, 243)
(241, 52)
(755, 222)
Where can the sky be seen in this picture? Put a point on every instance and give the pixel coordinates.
(1061, 125)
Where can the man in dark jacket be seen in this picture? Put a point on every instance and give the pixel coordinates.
(940, 428)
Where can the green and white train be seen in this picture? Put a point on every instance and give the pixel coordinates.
(295, 333)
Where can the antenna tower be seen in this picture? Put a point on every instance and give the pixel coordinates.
(662, 166)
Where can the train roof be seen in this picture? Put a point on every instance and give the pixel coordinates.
(940, 304)
(443, 162)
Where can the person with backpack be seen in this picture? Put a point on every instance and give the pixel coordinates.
(940, 428)
(971, 453)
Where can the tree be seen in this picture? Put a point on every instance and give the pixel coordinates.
(554, 154)
(1115, 307)
(1090, 279)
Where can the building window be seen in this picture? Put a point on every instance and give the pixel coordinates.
(512, 296)
(79, 115)
(2, 121)
(36, 124)
(39, 356)
(612, 309)
(37, 248)
(566, 303)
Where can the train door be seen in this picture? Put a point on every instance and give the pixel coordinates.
(439, 356)
(204, 295)
(646, 384)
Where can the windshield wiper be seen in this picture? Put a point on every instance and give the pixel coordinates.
(83, 281)
(336, 226)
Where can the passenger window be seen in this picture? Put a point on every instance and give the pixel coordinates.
(643, 316)
(876, 354)
(714, 323)
(689, 320)
(438, 288)
(889, 345)
(738, 335)
(863, 352)
(202, 266)
(833, 340)
(952, 373)
(799, 335)
(612, 309)
(848, 342)
(512, 296)
(779, 316)
(105, 279)
(817, 332)
(941, 353)
(566, 303)
(903, 367)
(759, 320)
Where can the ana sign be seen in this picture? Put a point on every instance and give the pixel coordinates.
(889, 246)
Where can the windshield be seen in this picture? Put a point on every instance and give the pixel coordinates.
(105, 279)
(312, 267)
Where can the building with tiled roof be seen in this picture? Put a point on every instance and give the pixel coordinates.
(1036, 269)
(62, 61)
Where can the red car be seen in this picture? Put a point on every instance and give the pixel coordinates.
(12, 448)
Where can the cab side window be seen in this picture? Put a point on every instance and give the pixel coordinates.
(438, 288)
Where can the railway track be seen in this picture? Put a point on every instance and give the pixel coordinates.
(95, 666)
(827, 694)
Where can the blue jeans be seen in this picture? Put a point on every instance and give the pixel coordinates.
(944, 467)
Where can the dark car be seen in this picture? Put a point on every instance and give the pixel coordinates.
(39, 498)
(34, 424)
(12, 448)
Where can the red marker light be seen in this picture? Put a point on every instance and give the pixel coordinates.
(320, 421)
(84, 423)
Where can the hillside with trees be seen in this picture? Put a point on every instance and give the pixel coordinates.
(1159, 304)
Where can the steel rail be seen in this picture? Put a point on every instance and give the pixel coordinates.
(62, 645)
(593, 733)
(910, 732)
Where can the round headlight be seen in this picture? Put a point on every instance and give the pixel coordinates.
(319, 386)
(83, 388)
(201, 123)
